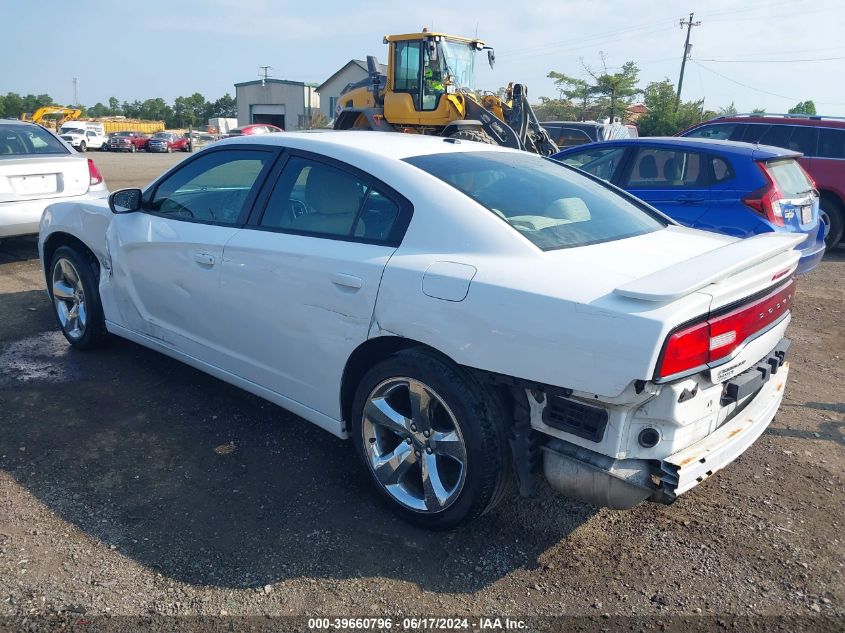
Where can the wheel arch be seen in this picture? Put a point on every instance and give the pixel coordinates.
(58, 239)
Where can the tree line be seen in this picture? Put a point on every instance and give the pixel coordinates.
(601, 94)
(194, 110)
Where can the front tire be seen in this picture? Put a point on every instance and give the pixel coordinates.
(432, 438)
(83, 147)
(132, 148)
(479, 136)
(76, 298)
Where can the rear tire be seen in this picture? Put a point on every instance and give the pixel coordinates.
(836, 220)
(479, 136)
(443, 462)
(72, 284)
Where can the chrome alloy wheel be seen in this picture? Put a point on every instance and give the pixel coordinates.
(414, 445)
(69, 298)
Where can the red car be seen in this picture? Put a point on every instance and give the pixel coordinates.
(820, 139)
(127, 141)
(255, 128)
(168, 142)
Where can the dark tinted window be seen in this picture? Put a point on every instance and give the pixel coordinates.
(599, 161)
(776, 135)
(656, 168)
(552, 206)
(803, 139)
(407, 65)
(831, 143)
(22, 140)
(753, 132)
(567, 137)
(718, 131)
(212, 188)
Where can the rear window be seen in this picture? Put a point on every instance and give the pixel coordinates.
(551, 205)
(789, 178)
(23, 140)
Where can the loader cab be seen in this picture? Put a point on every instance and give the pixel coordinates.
(425, 71)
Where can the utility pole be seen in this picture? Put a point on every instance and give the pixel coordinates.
(265, 74)
(76, 92)
(689, 24)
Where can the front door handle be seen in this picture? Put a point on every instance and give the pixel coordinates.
(205, 259)
(349, 281)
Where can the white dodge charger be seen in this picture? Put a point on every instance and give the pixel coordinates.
(468, 315)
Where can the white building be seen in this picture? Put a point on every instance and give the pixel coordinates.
(289, 105)
(354, 70)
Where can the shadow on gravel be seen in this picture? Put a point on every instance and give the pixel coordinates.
(18, 249)
(212, 486)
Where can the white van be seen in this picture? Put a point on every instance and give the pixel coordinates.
(84, 135)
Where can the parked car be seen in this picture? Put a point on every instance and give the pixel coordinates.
(84, 135)
(256, 128)
(168, 142)
(572, 133)
(733, 188)
(460, 311)
(37, 168)
(821, 141)
(128, 141)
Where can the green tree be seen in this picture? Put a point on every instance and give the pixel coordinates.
(727, 110)
(758, 111)
(225, 106)
(604, 94)
(664, 118)
(574, 91)
(804, 107)
(557, 110)
(114, 107)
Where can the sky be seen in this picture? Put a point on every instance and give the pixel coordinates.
(755, 53)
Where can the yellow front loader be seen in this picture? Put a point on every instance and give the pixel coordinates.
(429, 89)
(41, 115)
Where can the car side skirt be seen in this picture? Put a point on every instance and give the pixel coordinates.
(335, 427)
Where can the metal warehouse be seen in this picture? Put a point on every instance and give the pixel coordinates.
(289, 105)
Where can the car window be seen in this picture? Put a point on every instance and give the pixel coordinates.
(789, 177)
(717, 131)
(599, 161)
(22, 140)
(776, 135)
(753, 132)
(803, 139)
(552, 206)
(831, 143)
(656, 168)
(315, 198)
(568, 137)
(721, 169)
(212, 188)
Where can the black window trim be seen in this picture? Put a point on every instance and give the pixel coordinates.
(400, 225)
(258, 185)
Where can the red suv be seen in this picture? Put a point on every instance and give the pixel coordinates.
(821, 139)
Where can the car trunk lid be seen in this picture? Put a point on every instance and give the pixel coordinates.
(32, 178)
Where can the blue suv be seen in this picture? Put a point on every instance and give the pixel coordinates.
(734, 188)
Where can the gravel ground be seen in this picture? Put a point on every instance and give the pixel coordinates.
(131, 484)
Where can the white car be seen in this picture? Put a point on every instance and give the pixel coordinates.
(83, 136)
(37, 168)
(462, 312)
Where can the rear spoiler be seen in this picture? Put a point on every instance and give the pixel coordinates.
(708, 268)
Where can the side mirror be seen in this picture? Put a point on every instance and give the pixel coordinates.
(125, 201)
(491, 57)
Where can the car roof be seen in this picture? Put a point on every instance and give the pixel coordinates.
(810, 121)
(388, 144)
(734, 147)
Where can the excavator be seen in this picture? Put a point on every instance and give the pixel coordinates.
(428, 89)
(41, 114)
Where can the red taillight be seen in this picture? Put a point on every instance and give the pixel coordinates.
(766, 199)
(694, 346)
(94, 173)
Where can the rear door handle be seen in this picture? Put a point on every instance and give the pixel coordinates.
(689, 197)
(205, 259)
(349, 281)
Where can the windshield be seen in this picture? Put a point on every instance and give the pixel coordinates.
(72, 130)
(551, 205)
(21, 140)
(164, 135)
(458, 60)
(123, 134)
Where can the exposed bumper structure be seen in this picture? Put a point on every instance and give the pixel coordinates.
(620, 484)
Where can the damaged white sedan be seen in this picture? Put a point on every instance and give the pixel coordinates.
(466, 314)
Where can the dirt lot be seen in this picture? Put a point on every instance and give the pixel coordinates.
(132, 484)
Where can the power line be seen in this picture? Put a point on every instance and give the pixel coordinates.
(771, 61)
